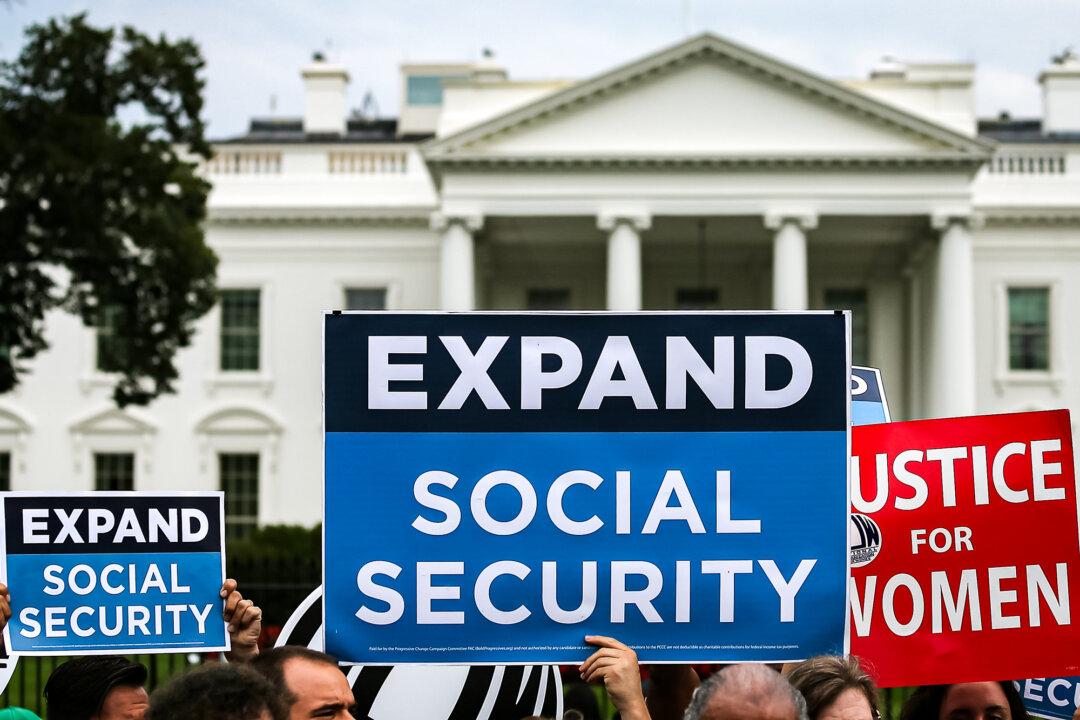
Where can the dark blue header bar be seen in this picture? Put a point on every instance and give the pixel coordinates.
(599, 372)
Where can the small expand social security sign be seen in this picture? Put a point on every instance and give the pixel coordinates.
(114, 572)
(969, 569)
(500, 485)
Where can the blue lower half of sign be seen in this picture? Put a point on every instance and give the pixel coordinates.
(120, 602)
(742, 557)
(867, 413)
(1055, 698)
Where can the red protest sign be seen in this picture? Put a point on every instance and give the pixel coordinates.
(966, 549)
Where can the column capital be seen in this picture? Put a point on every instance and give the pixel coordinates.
(472, 222)
(943, 220)
(638, 219)
(804, 219)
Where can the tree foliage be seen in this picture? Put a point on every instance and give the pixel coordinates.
(100, 205)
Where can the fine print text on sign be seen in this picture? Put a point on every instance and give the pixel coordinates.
(969, 569)
(114, 572)
(499, 486)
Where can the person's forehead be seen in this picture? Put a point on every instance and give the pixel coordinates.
(124, 702)
(305, 671)
(982, 694)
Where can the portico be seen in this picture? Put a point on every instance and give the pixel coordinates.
(770, 187)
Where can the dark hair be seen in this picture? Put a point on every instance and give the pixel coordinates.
(822, 679)
(749, 681)
(217, 692)
(271, 665)
(925, 703)
(76, 689)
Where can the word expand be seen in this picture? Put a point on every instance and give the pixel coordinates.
(616, 358)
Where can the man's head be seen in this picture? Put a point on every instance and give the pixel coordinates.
(746, 692)
(312, 683)
(218, 692)
(96, 687)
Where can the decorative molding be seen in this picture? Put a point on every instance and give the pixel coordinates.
(471, 221)
(476, 161)
(942, 220)
(405, 216)
(1032, 216)
(639, 220)
(110, 429)
(702, 47)
(806, 220)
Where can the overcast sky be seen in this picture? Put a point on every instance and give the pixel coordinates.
(254, 49)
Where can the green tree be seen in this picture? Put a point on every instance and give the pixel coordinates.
(101, 209)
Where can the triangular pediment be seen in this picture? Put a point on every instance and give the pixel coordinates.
(113, 421)
(239, 420)
(706, 98)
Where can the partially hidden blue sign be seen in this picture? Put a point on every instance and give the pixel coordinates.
(114, 572)
(498, 486)
(868, 403)
(1055, 698)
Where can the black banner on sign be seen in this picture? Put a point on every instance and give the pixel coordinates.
(111, 524)
(582, 373)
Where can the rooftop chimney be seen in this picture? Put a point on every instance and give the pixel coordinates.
(1061, 93)
(324, 96)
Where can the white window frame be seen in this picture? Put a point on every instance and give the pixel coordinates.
(262, 379)
(111, 430)
(241, 428)
(392, 286)
(15, 429)
(1004, 376)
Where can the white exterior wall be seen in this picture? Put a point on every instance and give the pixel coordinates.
(304, 221)
(302, 270)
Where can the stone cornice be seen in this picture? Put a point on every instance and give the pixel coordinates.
(1031, 216)
(411, 216)
(765, 162)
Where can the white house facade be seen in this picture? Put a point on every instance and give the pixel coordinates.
(706, 175)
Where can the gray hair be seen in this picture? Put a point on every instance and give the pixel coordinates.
(756, 682)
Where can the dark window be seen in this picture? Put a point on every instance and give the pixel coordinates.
(239, 475)
(5, 471)
(108, 348)
(1029, 328)
(240, 329)
(547, 299)
(365, 298)
(853, 299)
(699, 298)
(114, 471)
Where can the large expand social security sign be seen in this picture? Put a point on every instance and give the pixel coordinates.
(969, 569)
(113, 572)
(500, 485)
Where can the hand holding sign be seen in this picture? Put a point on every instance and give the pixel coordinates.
(244, 618)
(616, 665)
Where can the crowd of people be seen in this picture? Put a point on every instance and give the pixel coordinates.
(297, 683)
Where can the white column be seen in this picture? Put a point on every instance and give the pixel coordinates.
(457, 273)
(624, 259)
(953, 343)
(790, 273)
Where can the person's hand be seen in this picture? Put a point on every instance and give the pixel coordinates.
(1076, 714)
(616, 666)
(245, 623)
(5, 610)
